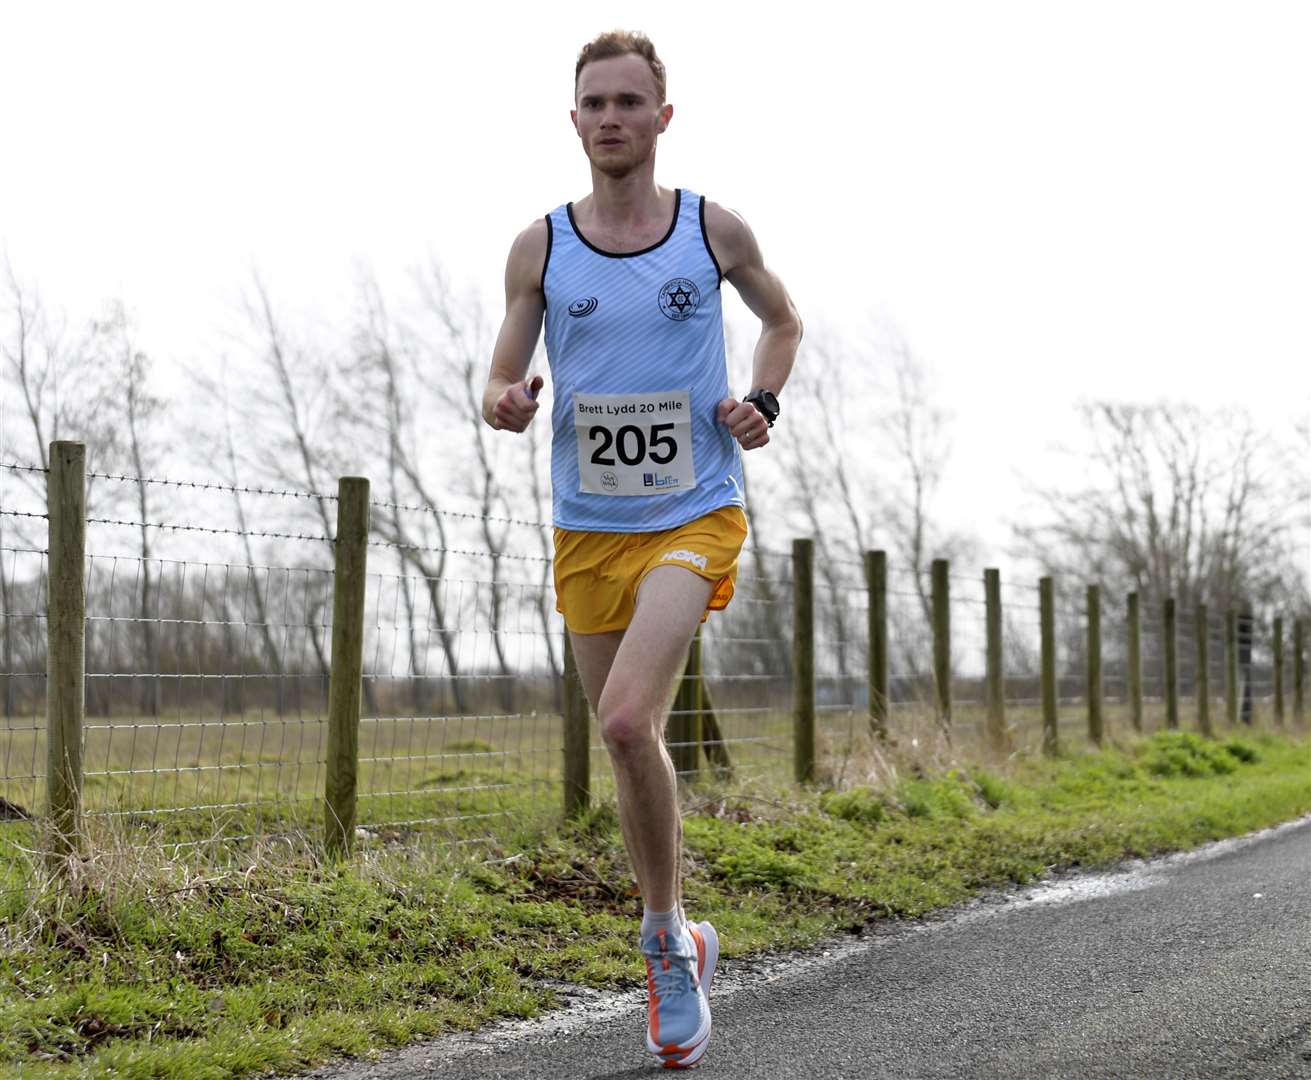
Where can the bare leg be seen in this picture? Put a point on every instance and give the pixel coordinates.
(595, 653)
(631, 706)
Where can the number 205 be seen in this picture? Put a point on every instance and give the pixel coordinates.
(633, 445)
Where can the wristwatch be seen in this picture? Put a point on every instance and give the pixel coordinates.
(766, 403)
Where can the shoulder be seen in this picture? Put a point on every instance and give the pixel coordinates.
(532, 242)
(528, 253)
(729, 236)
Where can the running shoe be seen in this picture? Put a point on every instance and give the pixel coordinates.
(679, 971)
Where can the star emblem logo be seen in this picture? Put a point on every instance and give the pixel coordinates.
(679, 299)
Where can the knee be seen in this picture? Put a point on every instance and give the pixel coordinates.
(626, 730)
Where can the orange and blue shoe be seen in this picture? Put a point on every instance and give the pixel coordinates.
(679, 971)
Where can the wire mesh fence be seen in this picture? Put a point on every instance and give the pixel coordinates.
(208, 665)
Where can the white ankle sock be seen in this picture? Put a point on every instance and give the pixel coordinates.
(654, 921)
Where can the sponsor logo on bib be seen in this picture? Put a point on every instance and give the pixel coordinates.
(683, 555)
(679, 298)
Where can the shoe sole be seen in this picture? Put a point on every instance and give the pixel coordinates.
(686, 1058)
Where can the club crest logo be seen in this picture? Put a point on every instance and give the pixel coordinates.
(582, 307)
(679, 299)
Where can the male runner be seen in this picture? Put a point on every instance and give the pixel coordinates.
(645, 467)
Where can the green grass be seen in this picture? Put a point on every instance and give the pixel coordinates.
(146, 967)
(190, 776)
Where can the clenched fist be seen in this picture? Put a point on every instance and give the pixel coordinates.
(518, 405)
(745, 422)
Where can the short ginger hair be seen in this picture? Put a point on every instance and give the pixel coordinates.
(622, 43)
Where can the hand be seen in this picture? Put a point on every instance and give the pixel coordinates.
(518, 405)
(745, 422)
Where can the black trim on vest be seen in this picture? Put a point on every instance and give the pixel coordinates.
(705, 237)
(678, 209)
(550, 237)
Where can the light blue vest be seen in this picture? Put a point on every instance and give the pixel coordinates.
(649, 326)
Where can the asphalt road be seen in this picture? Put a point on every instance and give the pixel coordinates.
(1193, 966)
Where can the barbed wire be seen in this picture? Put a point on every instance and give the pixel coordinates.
(18, 466)
(23, 513)
(206, 565)
(201, 486)
(420, 509)
(207, 529)
(457, 551)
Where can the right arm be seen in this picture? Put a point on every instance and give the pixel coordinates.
(507, 400)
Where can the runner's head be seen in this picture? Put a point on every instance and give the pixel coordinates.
(619, 98)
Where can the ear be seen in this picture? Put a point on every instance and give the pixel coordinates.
(573, 116)
(666, 114)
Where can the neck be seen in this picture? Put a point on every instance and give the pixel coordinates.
(626, 200)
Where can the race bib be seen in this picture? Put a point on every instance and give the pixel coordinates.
(634, 444)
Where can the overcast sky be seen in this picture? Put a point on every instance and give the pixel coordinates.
(1053, 201)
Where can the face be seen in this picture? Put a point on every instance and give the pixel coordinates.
(619, 113)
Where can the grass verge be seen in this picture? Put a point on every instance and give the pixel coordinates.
(202, 970)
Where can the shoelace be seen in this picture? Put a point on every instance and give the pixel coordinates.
(677, 977)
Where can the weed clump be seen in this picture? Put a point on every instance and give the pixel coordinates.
(992, 789)
(858, 804)
(1243, 751)
(1185, 753)
(755, 866)
(944, 798)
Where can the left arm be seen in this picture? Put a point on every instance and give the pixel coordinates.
(739, 257)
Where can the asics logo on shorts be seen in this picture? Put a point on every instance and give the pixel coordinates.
(683, 555)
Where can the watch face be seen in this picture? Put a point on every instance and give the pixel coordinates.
(766, 402)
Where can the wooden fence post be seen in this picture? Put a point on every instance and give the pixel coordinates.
(876, 581)
(941, 601)
(346, 676)
(1231, 668)
(1171, 666)
(712, 736)
(1047, 625)
(1135, 673)
(685, 719)
(1279, 669)
(1202, 682)
(995, 691)
(1245, 625)
(803, 658)
(66, 648)
(1299, 671)
(1096, 720)
(577, 736)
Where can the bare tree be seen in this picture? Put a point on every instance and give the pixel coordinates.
(137, 412)
(61, 394)
(387, 405)
(295, 397)
(541, 506)
(461, 359)
(1174, 500)
(864, 458)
